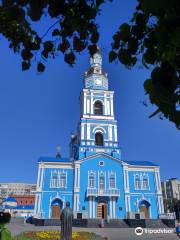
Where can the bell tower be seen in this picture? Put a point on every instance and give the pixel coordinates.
(97, 130)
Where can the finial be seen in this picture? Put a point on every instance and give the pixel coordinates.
(58, 149)
(96, 59)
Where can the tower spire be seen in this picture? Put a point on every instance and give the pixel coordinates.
(95, 77)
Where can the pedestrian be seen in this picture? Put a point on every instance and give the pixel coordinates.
(5, 218)
(178, 229)
(66, 222)
(102, 223)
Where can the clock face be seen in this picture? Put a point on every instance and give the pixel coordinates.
(98, 82)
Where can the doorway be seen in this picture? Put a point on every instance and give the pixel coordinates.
(56, 207)
(144, 208)
(56, 211)
(102, 210)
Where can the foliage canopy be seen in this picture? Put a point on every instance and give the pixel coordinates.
(152, 37)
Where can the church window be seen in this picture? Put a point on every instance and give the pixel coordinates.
(101, 181)
(91, 180)
(145, 182)
(99, 139)
(137, 182)
(112, 183)
(58, 179)
(54, 180)
(63, 180)
(98, 108)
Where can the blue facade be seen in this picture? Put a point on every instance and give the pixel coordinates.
(95, 179)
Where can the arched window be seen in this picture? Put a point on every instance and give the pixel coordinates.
(137, 182)
(54, 180)
(145, 182)
(63, 180)
(101, 181)
(98, 108)
(91, 180)
(112, 180)
(99, 139)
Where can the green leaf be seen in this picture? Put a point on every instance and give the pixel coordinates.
(56, 32)
(25, 65)
(69, 58)
(112, 56)
(40, 67)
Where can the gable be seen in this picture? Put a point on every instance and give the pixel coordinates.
(99, 156)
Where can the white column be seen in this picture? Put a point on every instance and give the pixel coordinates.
(88, 106)
(112, 110)
(42, 176)
(111, 207)
(90, 207)
(75, 203)
(115, 133)
(82, 131)
(108, 107)
(35, 205)
(38, 178)
(85, 103)
(114, 207)
(39, 204)
(94, 209)
(110, 132)
(92, 109)
(78, 176)
(88, 131)
(105, 104)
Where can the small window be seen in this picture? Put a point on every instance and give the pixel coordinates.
(98, 108)
(101, 163)
(99, 139)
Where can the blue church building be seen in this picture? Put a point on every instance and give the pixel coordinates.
(95, 179)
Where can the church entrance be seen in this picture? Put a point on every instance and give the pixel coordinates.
(56, 207)
(102, 210)
(144, 208)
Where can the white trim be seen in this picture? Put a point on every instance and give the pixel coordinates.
(96, 117)
(59, 166)
(99, 129)
(99, 100)
(108, 107)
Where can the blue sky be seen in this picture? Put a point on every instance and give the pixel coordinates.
(39, 111)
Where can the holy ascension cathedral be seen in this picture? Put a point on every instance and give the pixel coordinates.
(94, 178)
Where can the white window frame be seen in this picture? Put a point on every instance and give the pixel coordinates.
(109, 176)
(94, 174)
(136, 187)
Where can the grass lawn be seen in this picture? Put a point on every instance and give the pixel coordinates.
(55, 235)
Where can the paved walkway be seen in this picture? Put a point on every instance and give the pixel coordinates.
(17, 227)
